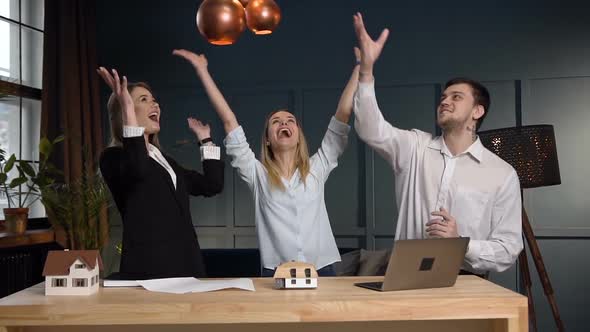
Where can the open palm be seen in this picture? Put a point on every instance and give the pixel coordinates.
(119, 88)
(199, 61)
(370, 49)
(199, 128)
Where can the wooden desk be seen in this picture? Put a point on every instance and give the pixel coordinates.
(473, 304)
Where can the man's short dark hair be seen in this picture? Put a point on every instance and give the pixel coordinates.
(481, 95)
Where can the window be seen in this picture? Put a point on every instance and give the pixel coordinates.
(59, 282)
(21, 61)
(80, 282)
(80, 266)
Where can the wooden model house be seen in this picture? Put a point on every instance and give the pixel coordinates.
(296, 275)
(72, 272)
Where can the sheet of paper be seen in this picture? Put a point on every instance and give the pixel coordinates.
(120, 283)
(193, 285)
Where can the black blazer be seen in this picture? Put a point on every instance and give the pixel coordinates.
(159, 239)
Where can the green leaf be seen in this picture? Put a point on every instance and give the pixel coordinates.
(3, 177)
(17, 182)
(58, 139)
(45, 148)
(27, 168)
(9, 163)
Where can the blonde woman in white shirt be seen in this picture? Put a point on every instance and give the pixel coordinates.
(287, 185)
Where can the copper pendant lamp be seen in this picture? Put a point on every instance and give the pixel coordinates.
(262, 16)
(221, 22)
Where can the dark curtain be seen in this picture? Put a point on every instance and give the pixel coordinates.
(70, 100)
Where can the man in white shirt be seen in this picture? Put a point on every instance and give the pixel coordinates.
(449, 185)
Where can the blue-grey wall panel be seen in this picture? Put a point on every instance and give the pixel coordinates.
(213, 239)
(342, 194)
(564, 103)
(502, 112)
(568, 269)
(383, 242)
(246, 241)
(350, 241)
(508, 279)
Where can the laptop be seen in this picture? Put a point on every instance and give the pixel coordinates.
(416, 264)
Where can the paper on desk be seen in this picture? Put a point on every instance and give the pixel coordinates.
(193, 285)
(119, 283)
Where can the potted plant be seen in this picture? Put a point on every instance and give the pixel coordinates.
(25, 189)
(75, 208)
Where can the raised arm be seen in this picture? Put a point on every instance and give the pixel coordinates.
(396, 146)
(132, 163)
(345, 103)
(199, 62)
(336, 137)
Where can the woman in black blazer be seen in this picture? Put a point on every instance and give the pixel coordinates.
(150, 189)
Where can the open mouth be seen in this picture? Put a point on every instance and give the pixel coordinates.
(154, 116)
(284, 133)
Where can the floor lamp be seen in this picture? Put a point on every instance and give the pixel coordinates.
(531, 151)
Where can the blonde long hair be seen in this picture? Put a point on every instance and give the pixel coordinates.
(268, 160)
(116, 117)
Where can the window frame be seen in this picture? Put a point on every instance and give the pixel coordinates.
(59, 282)
(15, 87)
(79, 282)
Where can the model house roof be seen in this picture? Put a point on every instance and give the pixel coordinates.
(58, 262)
(285, 270)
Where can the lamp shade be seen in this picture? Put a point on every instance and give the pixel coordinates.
(262, 16)
(221, 22)
(531, 150)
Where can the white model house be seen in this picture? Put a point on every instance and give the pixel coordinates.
(72, 272)
(296, 275)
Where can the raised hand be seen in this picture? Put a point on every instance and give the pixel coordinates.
(199, 61)
(219, 103)
(119, 88)
(201, 130)
(370, 49)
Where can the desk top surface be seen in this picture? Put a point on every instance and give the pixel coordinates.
(336, 299)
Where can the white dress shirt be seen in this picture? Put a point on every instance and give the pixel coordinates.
(292, 224)
(477, 188)
(207, 152)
